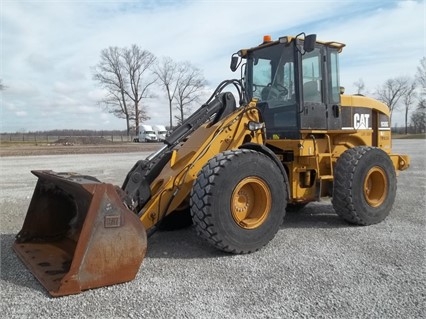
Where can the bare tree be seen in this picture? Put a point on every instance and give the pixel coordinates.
(421, 80)
(360, 86)
(168, 75)
(110, 74)
(122, 72)
(137, 64)
(391, 92)
(189, 86)
(421, 75)
(2, 86)
(408, 99)
(418, 118)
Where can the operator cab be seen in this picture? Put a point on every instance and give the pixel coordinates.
(296, 82)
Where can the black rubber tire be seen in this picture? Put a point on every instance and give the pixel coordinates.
(351, 194)
(211, 199)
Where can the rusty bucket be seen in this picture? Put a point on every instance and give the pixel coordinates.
(78, 235)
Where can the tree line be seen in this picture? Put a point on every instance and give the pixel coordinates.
(128, 76)
(406, 93)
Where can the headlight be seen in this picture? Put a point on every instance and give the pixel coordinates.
(254, 126)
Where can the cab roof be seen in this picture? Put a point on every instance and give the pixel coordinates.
(267, 41)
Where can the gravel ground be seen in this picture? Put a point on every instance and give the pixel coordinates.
(317, 266)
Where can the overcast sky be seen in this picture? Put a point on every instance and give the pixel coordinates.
(49, 47)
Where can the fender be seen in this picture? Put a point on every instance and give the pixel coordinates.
(265, 150)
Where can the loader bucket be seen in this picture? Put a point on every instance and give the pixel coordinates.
(78, 235)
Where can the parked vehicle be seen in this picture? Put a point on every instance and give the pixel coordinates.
(146, 134)
(161, 132)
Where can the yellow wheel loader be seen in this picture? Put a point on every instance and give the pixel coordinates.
(294, 138)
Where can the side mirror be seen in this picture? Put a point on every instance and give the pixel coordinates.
(309, 42)
(234, 63)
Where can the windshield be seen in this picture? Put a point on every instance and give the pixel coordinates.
(272, 75)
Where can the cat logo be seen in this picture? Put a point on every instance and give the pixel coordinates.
(361, 121)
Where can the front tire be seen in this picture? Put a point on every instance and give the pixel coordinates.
(238, 201)
(364, 186)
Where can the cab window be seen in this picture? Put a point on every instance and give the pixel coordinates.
(312, 76)
(261, 76)
(273, 76)
(334, 77)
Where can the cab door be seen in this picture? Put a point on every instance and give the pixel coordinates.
(334, 119)
(313, 114)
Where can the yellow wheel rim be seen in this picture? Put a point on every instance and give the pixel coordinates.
(375, 186)
(251, 202)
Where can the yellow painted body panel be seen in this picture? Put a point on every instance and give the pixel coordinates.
(173, 185)
(363, 101)
(310, 172)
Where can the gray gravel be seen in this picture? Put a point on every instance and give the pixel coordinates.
(317, 266)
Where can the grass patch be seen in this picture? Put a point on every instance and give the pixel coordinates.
(20, 143)
(409, 136)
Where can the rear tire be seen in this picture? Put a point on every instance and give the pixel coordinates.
(238, 201)
(364, 185)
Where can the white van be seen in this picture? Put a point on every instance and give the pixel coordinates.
(161, 132)
(146, 134)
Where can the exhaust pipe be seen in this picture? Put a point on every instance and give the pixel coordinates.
(78, 235)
